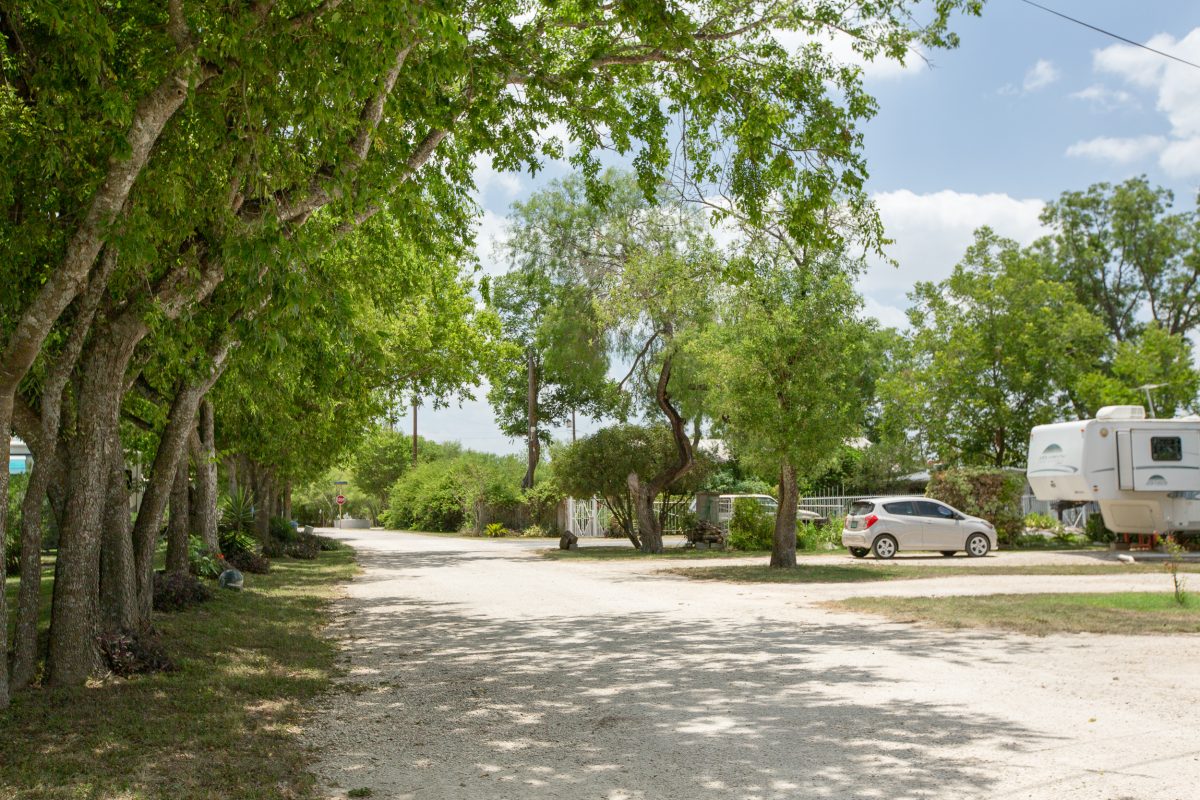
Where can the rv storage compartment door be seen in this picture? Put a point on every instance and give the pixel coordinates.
(1124, 462)
(1165, 459)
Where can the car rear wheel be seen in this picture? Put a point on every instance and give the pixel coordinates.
(978, 545)
(859, 552)
(884, 547)
(948, 553)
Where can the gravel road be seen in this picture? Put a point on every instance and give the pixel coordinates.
(478, 669)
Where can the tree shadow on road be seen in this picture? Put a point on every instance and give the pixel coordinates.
(441, 703)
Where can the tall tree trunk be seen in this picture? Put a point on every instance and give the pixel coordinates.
(29, 599)
(644, 492)
(414, 461)
(47, 477)
(533, 452)
(783, 548)
(75, 619)
(204, 510)
(287, 501)
(118, 580)
(5, 450)
(179, 519)
(262, 503)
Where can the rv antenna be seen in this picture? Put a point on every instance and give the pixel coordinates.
(1147, 388)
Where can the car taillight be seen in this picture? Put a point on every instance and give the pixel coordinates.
(871, 520)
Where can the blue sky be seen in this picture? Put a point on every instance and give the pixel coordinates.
(1028, 106)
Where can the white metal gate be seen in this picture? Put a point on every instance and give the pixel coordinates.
(587, 517)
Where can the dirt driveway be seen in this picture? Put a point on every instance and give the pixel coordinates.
(478, 669)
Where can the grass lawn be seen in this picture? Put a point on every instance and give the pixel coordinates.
(1040, 614)
(223, 725)
(870, 571)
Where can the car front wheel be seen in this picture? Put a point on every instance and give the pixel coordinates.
(859, 552)
(978, 545)
(884, 547)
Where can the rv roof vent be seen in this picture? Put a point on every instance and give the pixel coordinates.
(1121, 412)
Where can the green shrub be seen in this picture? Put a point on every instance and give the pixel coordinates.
(542, 503)
(496, 530)
(250, 562)
(135, 653)
(329, 545)
(819, 537)
(751, 527)
(534, 531)
(449, 494)
(175, 591)
(993, 494)
(273, 548)
(306, 547)
(1044, 522)
(1096, 530)
(237, 511)
(282, 530)
(203, 562)
(234, 542)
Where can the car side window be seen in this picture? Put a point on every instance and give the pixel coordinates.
(935, 510)
(904, 508)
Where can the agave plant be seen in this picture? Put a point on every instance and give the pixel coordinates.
(237, 511)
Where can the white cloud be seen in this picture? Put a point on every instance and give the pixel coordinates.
(490, 235)
(1103, 97)
(1176, 88)
(931, 232)
(841, 47)
(1120, 151)
(1040, 75)
(488, 179)
(1181, 157)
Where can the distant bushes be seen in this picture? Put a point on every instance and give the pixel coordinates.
(750, 527)
(993, 494)
(463, 490)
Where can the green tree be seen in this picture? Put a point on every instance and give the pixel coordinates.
(187, 162)
(557, 361)
(380, 460)
(784, 364)
(997, 347)
(1128, 256)
(599, 465)
(1153, 357)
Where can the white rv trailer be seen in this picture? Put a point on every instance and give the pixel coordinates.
(1143, 473)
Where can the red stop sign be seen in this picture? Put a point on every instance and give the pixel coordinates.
(341, 499)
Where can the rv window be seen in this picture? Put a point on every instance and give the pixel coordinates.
(1166, 448)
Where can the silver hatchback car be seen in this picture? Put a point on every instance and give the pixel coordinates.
(886, 525)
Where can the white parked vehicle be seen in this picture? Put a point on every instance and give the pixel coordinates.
(1143, 473)
(886, 525)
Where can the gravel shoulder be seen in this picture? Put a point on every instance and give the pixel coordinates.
(479, 669)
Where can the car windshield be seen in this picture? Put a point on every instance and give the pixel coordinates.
(860, 507)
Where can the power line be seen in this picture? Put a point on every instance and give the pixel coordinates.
(1116, 36)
